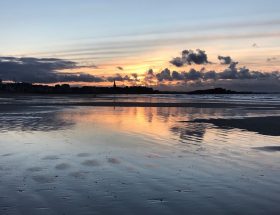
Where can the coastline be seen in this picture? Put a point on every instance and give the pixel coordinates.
(149, 104)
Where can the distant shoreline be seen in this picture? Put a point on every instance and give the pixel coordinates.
(66, 89)
(143, 104)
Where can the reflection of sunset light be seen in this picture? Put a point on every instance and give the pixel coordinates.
(130, 120)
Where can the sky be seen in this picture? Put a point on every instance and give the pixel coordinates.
(168, 45)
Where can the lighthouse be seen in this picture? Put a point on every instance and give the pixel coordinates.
(114, 86)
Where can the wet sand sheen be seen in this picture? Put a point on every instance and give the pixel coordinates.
(159, 160)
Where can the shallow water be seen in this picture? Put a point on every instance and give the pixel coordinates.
(136, 160)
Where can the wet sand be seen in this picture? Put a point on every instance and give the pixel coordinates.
(84, 159)
(268, 125)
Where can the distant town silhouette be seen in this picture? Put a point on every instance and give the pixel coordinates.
(29, 88)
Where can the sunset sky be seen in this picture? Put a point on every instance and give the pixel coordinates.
(93, 42)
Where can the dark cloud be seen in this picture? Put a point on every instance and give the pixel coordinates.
(192, 57)
(225, 60)
(210, 75)
(230, 73)
(83, 77)
(150, 72)
(193, 75)
(149, 76)
(53, 70)
(118, 77)
(41, 70)
(120, 68)
(230, 78)
(255, 45)
(252, 85)
(179, 76)
(245, 73)
(164, 75)
(177, 61)
(189, 57)
(134, 76)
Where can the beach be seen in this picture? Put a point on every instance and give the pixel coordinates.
(143, 154)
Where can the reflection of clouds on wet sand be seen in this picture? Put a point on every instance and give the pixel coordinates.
(144, 120)
(160, 121)
(104, 157)
(33, 119)
(189, 131)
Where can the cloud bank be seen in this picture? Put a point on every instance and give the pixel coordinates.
(225, 60)
(189, 57)
(41, 70)
(233, 77)
(52, 70)
(230, 73)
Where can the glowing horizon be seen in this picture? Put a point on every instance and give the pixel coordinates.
(137, 37)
